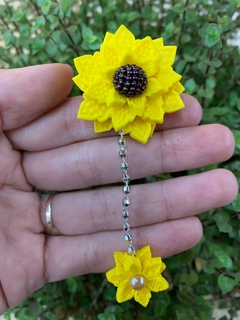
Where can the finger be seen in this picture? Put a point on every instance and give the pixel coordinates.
(92, 211)
(97, 162)
(27, 93)
(11, 173)
(61, 127)
(74, 255)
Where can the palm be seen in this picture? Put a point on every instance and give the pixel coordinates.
(22, 241)
(44, 146)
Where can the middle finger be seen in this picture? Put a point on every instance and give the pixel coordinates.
(96, 162)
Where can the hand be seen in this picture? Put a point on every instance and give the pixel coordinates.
(43, 146)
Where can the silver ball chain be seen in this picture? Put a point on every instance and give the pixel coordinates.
(126, 191)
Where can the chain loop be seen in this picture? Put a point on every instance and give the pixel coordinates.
(126, 191)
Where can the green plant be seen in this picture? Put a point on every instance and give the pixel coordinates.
(43, 31)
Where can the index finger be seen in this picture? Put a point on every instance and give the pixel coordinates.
(26, 93)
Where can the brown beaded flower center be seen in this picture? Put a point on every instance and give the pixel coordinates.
(130, 80)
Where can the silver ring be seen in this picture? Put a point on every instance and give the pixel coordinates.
(51, 228)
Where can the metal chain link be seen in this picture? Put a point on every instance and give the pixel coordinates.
(126, 191)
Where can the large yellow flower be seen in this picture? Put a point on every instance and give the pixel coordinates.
(136, 276)
(129, 84)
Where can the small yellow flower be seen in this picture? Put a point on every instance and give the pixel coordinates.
(136, 276)
(129, 84)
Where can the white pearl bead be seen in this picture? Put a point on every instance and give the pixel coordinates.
(137, 282)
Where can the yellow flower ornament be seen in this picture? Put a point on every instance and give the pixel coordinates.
(129, 84)
(136, 276)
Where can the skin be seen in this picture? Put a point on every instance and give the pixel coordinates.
(44, 146)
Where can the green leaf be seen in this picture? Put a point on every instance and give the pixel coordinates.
(236, 202)
(179, 7)
(226, 261)
(72, 29)
(17, 16)
(186, 256)
(148, 13)
(39, 23)
(212, 30)
(226, 284)
(65, 38)
(211, 82)
(234, 2)
(87, 33)
(106, 316)
(210, 41)
(169, 28)
(237, 278)
(133, 16)
(37, 45)
(202, 66)
(189, 58)
(221, 216)
(206, 93)
(185, 38)
(46, 6)
(190, 85)
(214, 63)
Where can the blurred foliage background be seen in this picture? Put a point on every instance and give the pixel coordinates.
(45, 31)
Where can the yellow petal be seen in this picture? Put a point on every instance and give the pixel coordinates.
(153, 126)
(107, 73)
(179, 88)
(152, 267)
(158, 44)
(143, 296)
(163, 267)
(78, 80)
(127, 56)
(150, 67)
(98, 91)
(124, 293)
(139, 130)
(102, 126)
(157, 283)
(88, 67)
(137, 104)
(115, 100)
(117, 279)
(91, 110)
(132, 265)
(120, 258)
(144, 254)
(154, 110)
(121, 117)
(110, 56)
(108, 38)
(153, 87)
(145, 49)
(167, 77)
(123, 37)
(167, 55)
(172, 102)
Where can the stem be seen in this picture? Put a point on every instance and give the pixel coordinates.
(70, 38)
(139, 8)
(100, 290)
(103, 17)
(160, 21)
(206, 76)
(35, 309)
(183, 23)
